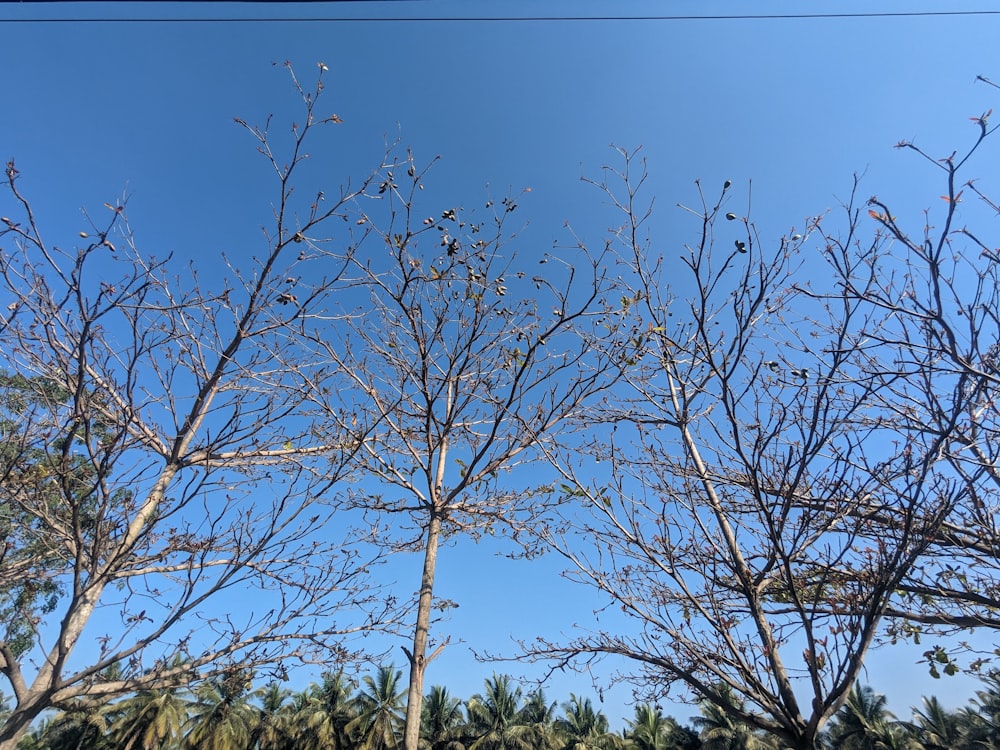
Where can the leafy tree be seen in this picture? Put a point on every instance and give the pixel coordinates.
(649, 730)
(537, 709)
(77, 729)
(140, 411)
(28, 592)
(34, 738)
(898, 738)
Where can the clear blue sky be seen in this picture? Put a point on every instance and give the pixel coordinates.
(92, 110)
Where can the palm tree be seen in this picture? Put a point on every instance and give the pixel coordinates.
(896, 736)
(273, 728)
(862, 723)
(442, 721)
(980, 722)
(937, 728)
(78, 729)
(151, 720)
(977, 732)
(538, 714)
(221, 717)
(495, 721)
(583, 728)
(380, 711)
(648, 730)
(323, 712)
(685, 738)
(718, 730)
(651, 730)
(35, 738)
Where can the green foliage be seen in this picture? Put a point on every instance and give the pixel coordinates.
(651, 730)
(323, 713)
(221, 717)
(39, 476)
(583, 728)
(380, 711)
(73, 730)
(495, 722)
(937, 728)
(442, 720)
(863, 722)
(227, 713)
(717, 728)
(49, 476)
(151, 720)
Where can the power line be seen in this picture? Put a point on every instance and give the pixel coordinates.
(203, 2)
(478, 19)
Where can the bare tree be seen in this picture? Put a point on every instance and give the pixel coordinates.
(159, 461)
(728, 494)
(940, 291)
(462, 361)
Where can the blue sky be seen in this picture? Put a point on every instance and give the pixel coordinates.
(95, 110)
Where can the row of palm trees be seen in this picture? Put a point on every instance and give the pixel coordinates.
(339, 714)
(864, 723)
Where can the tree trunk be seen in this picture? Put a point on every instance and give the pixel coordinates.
(418, 657)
